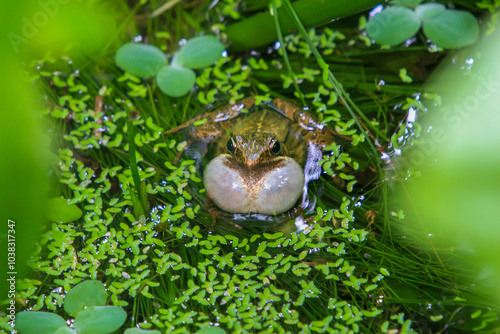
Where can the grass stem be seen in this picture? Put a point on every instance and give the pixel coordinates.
(349, 104)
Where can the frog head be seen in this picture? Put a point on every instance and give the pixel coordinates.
(253, 177)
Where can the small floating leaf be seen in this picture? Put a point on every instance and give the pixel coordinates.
(200, 52)
(100, 320)
(436, 318)
(452, 29)
(65, 330)
(141, 331)
(211, 330)
(406, 3)
(393, 25)
(38, 322)
(86, 294)
(59, 210)
(175, 81)
(142, 60)
(429, 10)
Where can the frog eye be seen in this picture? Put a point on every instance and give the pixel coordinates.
(230, 145)
(275, 149)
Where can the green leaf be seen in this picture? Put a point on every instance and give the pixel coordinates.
(141, 331)
(429, 10)
(65, 330)
(141, 60)
(175, 81)
(393, 25)
(407, 3)
(38, 322)
(100, 320)
(86, 294)
(200, 52)
(452, 29)
(59, 210)
(211, 330)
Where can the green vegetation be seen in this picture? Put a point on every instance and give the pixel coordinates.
(59, 210)
(86, 303)
(448, 28)
(145, 232)
(178, 78)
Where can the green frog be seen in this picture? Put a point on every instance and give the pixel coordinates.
(261, 158)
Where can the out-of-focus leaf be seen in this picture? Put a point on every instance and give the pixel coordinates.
(175, 81)
(211, 330)
(86, 294)
(38, 322)
(142, 60)
(429, 10)
(393, 25)
(59, 210)
(24, 149)
(407, 3)
(141, 331)
(100, 320)
(452, 29)
(200, 52)
(65, 330)
(452, 207)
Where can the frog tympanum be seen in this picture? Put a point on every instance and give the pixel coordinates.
(261, 157)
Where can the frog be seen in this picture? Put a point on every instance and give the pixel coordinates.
(260, 157)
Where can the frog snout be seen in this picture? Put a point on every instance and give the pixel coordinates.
(272, 189)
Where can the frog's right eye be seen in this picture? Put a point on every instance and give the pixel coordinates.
(230, 145)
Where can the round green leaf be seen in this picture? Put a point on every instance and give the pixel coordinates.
(175, 81)
(211, 330)
(100, 320)
(429, 10)
(141, 331)
(452, 29)
(86, 294)
(406, 3)
(65, 330)
(200, 52)
(393, 25)
(59, 210)
(141, 60)
(38, 322)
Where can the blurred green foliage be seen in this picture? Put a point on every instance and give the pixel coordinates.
(30, 29)
(178, 78)
(141, 60)
(448, 28)
(452, 209)
(23, 147)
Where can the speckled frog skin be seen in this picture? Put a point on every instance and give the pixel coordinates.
(261, 157)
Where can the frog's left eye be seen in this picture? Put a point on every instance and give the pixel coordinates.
(230, 145)
(275, 149)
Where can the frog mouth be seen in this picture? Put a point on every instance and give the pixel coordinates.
(269, 189)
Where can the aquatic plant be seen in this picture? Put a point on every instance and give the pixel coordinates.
(86, 303)
(448, 28)
(175, 79)
(59, 210)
